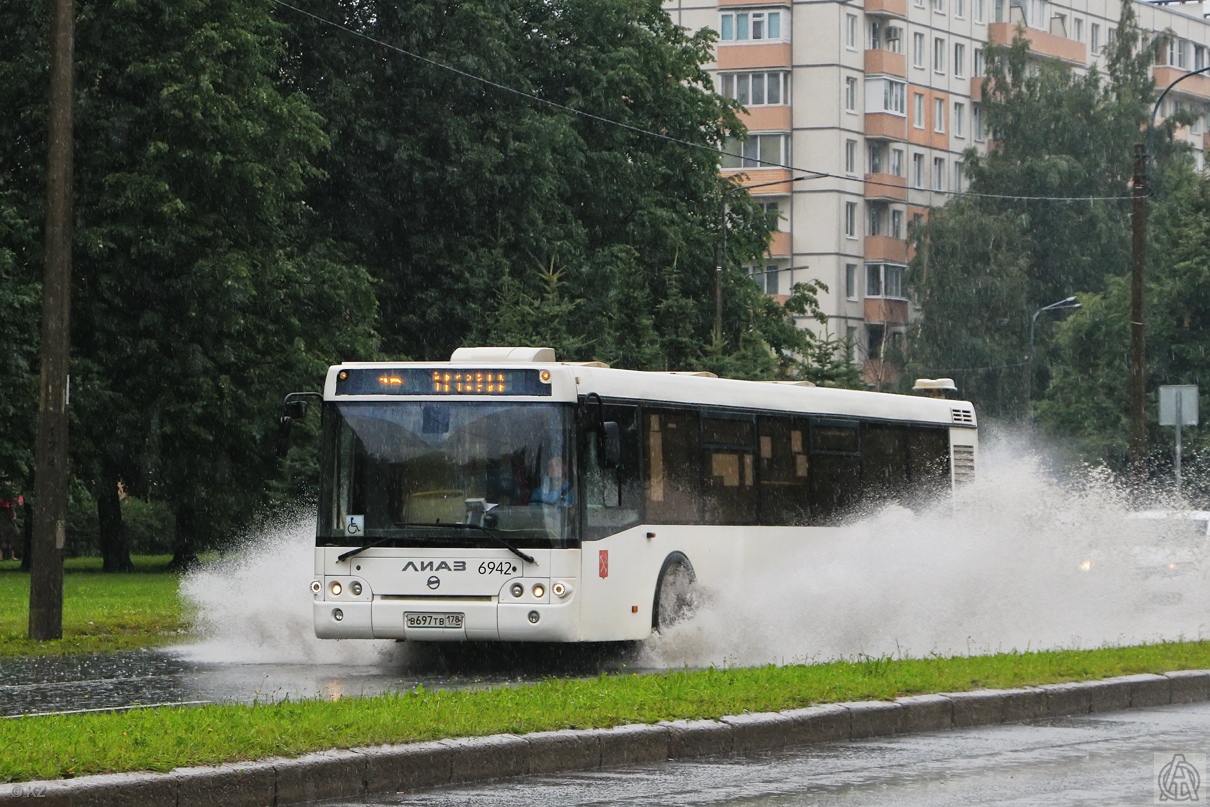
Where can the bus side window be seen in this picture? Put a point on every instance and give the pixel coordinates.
(928, 463)
(835, 469)
(884, 463)
(673, 478)
(785, 498)
(729, 470)
(612, 495)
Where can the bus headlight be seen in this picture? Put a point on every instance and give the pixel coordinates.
(335, 588)
(560, 589)
(316, 587)
(355, 588)
(338, 614)
(534, 617)
(539, 591)
(516, 589)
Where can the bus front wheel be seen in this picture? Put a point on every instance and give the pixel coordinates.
(675, 594)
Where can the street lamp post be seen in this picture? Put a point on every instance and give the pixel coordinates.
(1065, 304)
(1138, 226)
(722, 252)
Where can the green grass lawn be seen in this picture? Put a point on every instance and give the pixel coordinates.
(114, 612)
(101, 612)
(161, 739)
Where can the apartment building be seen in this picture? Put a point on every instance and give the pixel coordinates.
(884, 97)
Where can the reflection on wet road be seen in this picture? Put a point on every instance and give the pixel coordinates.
(158, 677)
(1085, 761)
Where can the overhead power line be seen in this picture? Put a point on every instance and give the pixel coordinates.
(814, 173)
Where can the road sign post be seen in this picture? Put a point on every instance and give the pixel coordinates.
(1178, 407)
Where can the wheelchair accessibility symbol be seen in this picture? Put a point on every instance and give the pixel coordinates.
(355, 525)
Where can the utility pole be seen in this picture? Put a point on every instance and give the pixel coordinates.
(1138, 347)
(50, 481)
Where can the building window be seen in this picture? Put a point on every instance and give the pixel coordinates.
(978, 71)
(757, 89)
(850, 156)
(918, 50)
(959, 59)
(1077, 29)
(938, 55)
(939, 6)
(745, 26)
(897, 162)
(850, 94)
(977, 121)
(1111, 35)
(884, 280)
(873, 280)
(876, 152)
(772, 211)
(877, 215)
(1094, 38)
(757, 151)
(938, 173)
(850, 219)
(957, 176)
(885, 95)
(850, 340)
(850, 281)
(960, 9)
(959, 119)
(1199, 57)
(939, 115)
(979, 10)
(765, 278)
(917, 170)
(850, 31)
(897, 224)
(918, 110)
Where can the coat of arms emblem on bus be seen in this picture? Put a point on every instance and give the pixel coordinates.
(603, 563)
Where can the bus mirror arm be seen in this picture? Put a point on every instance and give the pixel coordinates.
(294, 408)
(611, 444)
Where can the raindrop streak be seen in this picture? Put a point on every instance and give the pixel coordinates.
(1016, 562)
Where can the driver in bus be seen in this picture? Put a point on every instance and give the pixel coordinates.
(555, 488)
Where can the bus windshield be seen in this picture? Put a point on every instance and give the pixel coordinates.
(436, 473)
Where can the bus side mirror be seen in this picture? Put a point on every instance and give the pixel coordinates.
(611, 444)
(291, 411)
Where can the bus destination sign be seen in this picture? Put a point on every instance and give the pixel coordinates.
(441, 381)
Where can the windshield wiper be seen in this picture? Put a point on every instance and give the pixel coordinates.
(491, 533)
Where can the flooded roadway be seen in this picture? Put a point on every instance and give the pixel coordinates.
(137, 679)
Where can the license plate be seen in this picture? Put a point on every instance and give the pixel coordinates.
(412, 620)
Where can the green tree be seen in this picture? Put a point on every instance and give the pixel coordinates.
(202, 291)
(1056, 134)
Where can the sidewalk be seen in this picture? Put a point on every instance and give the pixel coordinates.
(391, 769)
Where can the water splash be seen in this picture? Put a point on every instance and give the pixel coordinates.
(253, 606)
(1017, 561)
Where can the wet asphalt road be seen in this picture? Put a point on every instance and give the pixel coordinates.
(159, 677)
(1107, 759)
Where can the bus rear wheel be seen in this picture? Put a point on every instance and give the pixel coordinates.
(675, 594)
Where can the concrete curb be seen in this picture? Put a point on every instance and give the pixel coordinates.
(391, 769)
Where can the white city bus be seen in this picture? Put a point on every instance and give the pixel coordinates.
(439, 519)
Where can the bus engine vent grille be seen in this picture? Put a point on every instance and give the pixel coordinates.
(963, 417)
(964, 464)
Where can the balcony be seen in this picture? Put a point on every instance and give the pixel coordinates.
(879, 61)
(886, 187)
(891, 8)
(977, 88)
(885, 126)
(767, 118)
(749, 176)
(753, 57)
(1041, 43)
(886, 311)
(1196, 85)
(884, 249)
(780, 247)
